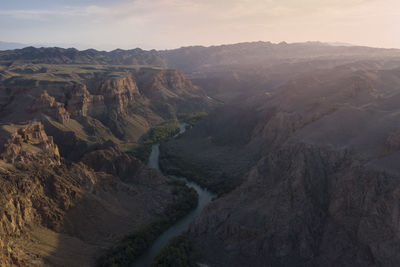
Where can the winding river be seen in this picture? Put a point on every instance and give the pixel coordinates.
(205, 197)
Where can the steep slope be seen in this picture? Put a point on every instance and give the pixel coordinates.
(68, 190)
(83, 105)
(322, 188)
(46, 200)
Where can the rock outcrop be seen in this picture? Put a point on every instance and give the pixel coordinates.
(47, 104)
(304, 206)
(92, 209)
(66, 188)
(323, 189)
(124, 101)
(119, 93)
(26, 143)
(108, 158)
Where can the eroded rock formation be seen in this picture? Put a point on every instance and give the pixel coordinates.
(40, 192)
(25, 143)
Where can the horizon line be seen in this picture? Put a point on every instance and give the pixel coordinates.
(76, 45)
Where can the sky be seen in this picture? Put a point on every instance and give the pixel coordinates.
(166, 24)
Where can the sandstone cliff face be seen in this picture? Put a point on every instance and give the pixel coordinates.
(165, 83)
(83, 106)
(113, 94)
(28, 143)
(77, 100)
(27, 159)
(67, 191)
(108, 158)
(48, 105)
(89, 209)
(119, 93)
(171, 93)
(125, 100)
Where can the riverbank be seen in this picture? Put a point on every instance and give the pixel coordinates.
(220, 184)
(182, 225)
(136, 244)
(142, 246)
(178, 253)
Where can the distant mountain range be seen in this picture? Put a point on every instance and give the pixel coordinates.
(194, 58)
(56, 55)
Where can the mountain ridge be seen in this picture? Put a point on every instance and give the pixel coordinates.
(153, 57)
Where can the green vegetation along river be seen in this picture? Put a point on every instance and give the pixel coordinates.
(205, 197)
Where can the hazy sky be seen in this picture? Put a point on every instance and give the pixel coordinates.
(173, 23)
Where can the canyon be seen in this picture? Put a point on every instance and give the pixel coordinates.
(308, 144)
(69, 191)
(300, 145)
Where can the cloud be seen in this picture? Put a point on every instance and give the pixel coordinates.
(196, 10)
(43, 14)
(171, 23)
(182, 8)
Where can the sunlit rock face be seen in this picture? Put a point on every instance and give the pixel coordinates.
(66, 186)
(44, 198)
(29, 143)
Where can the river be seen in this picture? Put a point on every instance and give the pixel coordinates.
(205, 197)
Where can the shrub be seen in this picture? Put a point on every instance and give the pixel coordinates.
(162, 132)
(178, 253)
(134, 245)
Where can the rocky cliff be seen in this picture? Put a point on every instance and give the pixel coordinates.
(304, 206)
(318, 162)
(28, 143)
(82, 105)
(47, 104)
(45, 199)
(67, 190)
